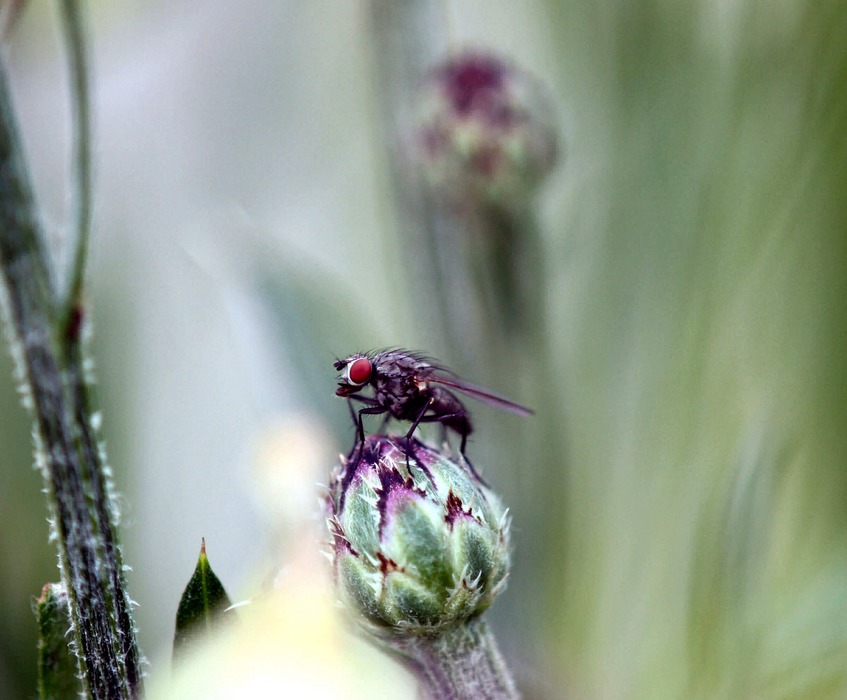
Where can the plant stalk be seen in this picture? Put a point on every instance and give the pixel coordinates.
(51, 370)
(81, 199)
(461, 663)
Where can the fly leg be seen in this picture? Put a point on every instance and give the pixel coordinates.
(373, 408)
(468, 462)
(359, 445)
(415, 423)
(369, 411)
(444, 419)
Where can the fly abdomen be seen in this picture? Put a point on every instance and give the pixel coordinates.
(460, 423)
(451, 412)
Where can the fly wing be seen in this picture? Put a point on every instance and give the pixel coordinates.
(484, 395)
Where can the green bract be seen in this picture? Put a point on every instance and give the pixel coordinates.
(415, 549)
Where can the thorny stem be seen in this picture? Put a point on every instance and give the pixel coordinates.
(72, 25)
(56, 392)
(461, 663)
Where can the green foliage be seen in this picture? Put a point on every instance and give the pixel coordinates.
(58, 670)
(202, 608)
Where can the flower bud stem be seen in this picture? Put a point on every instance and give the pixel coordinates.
(461, 663)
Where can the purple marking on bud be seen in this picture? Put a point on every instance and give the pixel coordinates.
(385, 458)
(372, 453)
(472, 80)
(455, 509)
(387, 565)
(393, 485)
(390, 478)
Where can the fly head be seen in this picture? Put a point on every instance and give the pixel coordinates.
(355, 372)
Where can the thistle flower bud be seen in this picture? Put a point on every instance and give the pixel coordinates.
(484, 131)
(417, 549)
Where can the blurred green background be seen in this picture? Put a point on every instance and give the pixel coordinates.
(680, 500)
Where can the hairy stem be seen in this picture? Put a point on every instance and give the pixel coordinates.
(462, 663)
(55, 389)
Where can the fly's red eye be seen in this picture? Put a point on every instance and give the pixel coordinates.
(359, 371)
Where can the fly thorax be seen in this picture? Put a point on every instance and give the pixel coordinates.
(389, 393)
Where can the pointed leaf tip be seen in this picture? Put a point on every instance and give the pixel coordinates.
(202, 608)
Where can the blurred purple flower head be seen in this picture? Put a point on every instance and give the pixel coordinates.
(484, 131)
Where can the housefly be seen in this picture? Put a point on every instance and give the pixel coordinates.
(411, 387)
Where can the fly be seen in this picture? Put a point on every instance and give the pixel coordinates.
(411, 387)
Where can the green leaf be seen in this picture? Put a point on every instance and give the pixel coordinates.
(203, 606)
(58, 670)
